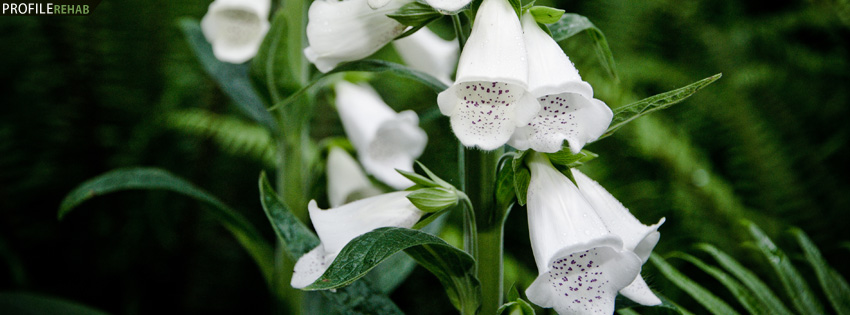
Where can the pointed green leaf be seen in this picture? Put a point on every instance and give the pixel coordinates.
(832, 283)
(566, 158)
(368, 65)
(627, 113)
(28, 303)
(711, 302)
(546, 15)
(748, 279)
(415, 14)
(452, 266)
(571, 24)
(433, 199)
(233, 79)
(158, 179)
(361, 297)
(744, 295)
(798, 291)
(516, 307)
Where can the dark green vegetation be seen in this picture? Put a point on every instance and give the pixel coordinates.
(85, 95)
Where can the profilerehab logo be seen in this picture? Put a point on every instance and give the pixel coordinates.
(48, 7)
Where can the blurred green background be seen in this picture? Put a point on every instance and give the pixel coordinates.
(85, 95)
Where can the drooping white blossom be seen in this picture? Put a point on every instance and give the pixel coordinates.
(338, 226)
(346, 180)
(581, 264)
(348, 30)
(385, 140)
(489, 100)
(427, 52)
(236, 28)
(637, 237)
(568, 110)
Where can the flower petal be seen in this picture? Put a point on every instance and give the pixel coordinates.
(361, 111)
(346, 181)
(485, 114)
(397, 142)
(427, 52)
(495, 50)
(385, 140)
(310, 267)
(639, 292)
(569, 111)
(236, 28)
(340, 31)
(585, 278)
(377, 4)
(636, 236)
(448, 6)
(338, 226)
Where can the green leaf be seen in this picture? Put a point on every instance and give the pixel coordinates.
(416, 15)
(232, 78)
(452, 266)
(748, 279)
(546, 15)
(627, 113)
(391, 273)
(270, 67)
(361, 297)
(433, 199)
(158, 179)
(711, 302)
(571, 24)
(369, 65)
(798, 291)
(234, 135)
(27, 303)
(832, 283)
(744, 295)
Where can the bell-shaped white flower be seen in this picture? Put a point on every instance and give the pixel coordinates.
(385, 140)
(338, 226)
(581, 264)
(340, 31)
(346, 181)
(568, 110)
(427, 52)
(489, 100)
(637, 237)
(236, 28)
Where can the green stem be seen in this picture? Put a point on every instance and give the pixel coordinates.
(481, 179)
(461, 37)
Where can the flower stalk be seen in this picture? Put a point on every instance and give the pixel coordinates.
(480, 180)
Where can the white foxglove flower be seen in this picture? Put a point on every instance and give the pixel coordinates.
(340, 31)
(581, 264)
(637, 237)
(427, 52)
(385, 140)
(346, 181)
(338, 226)
(489, 100)
(568, 110)
(236, 28)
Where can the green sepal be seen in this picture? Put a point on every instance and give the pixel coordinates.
(433, 199)
(416, 15)
(546, 15)
(419, 180)
(515, 305)
(522, 176)
(566, 158)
